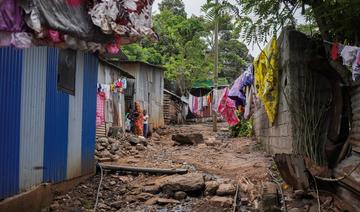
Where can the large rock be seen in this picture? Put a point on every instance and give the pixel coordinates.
(180, 195)
(188, 139)
(211, 187)
(153, 189)
(221, 201)
(226, 189)
(188, 183)
(133, 141)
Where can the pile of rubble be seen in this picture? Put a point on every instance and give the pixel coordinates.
(112, 149)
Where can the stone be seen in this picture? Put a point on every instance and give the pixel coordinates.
(114, 147)
(188, 139)
(164, 201)
(143, 140)
(117, 204)
(154, 189)
(221, 201)
(180, 195)
(103, 140)
(133, 141)
(226, 189)
(134, 152)
(211, 187)
(152, 201)
(105, 154)
(115, 157)
(115, 132)
(112, 182)
(112, 140)
(55, 206)
(187, 182)
(103, 206)
(140, 147)
(294, 210)
(99, 147)
(144, 197)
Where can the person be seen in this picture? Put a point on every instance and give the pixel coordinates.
(146, 124)
(138, 120)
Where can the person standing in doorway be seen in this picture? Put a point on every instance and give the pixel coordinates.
(146, 124)
(138, 120)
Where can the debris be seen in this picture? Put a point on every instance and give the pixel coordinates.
(221, 201)
(270, 197)
(188, 139)
(154, 189)
(152, 201)
(144, 197)
(226, 189)
(142, 169)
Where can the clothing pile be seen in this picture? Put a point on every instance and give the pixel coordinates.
(350, 57)
(75, 23)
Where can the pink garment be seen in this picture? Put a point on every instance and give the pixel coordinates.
(55, 36)
(73, 3)
(227, 109)
(196, 104)
(112, 48)
(100, 108)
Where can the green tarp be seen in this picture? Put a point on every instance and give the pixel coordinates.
(203, 87)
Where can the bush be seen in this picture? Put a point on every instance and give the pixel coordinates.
(242, 129)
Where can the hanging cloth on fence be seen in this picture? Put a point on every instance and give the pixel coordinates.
(266, 78)
(100, 108)
(227, 109)
(216, 98)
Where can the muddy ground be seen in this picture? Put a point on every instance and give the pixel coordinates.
(218, 167)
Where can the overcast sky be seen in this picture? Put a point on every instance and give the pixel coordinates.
(193, 7)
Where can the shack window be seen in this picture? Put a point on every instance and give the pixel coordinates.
(67, 71)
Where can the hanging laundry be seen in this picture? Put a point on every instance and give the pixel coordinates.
(216, 98)
(21, 40)
(266, 78)
(356, 66)
(55, 36)
(227, 109)
(349, 55)
(124, 83)
(100, 108)
(11, 16)
(106, 90)
(235, 92)
(249, 96)
(334, 51)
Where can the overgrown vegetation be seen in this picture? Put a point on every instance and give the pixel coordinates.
(242, 129)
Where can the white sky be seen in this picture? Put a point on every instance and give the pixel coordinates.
(193, 7)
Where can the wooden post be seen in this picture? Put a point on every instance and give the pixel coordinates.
(216, 64)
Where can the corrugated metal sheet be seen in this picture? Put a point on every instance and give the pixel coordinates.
(56, 124)
(89, 113)
(10, 93)
(33, 91)
(75, 121)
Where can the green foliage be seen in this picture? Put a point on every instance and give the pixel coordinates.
(177, 7)
(242, 129)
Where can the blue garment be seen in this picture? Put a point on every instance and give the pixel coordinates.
(146, 130)
(237, 91)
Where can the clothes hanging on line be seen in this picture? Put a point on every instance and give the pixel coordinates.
(266, 78)
(100, 108)
(227, 109)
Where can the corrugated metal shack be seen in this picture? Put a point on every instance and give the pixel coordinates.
(149, 86)
(108, 73)
(175, 108)
(47, 135)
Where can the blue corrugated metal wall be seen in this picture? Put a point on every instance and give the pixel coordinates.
(10, 98)
(56, 124)
(29, 97)
(89, 113)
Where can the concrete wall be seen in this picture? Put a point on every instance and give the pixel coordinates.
(298, 55)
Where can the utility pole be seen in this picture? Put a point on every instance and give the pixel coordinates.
(216, 35)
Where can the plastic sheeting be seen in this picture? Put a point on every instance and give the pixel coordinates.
(11, 16)
(67, 18)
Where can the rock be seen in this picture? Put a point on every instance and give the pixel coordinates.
(55, 206)
(244, 201)
(112, 183)
(226, 189)
(115, 132)
(163, 201)
(211, 187)
(143, 140)
(134, 152)
(115, 157)
(114, 147)
(133, 141)
(221, 201)
(103, 206)
(187, 182)
(99, 147)
(151, 189)
(103, 140)
(117, 204)
(294, 210)
(180, 195)
(112, 140)
(105, 154)
(152, 201)
(140, 147)
(188, 139)
(144, 197)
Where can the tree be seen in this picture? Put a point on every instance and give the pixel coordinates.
(177, 7)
